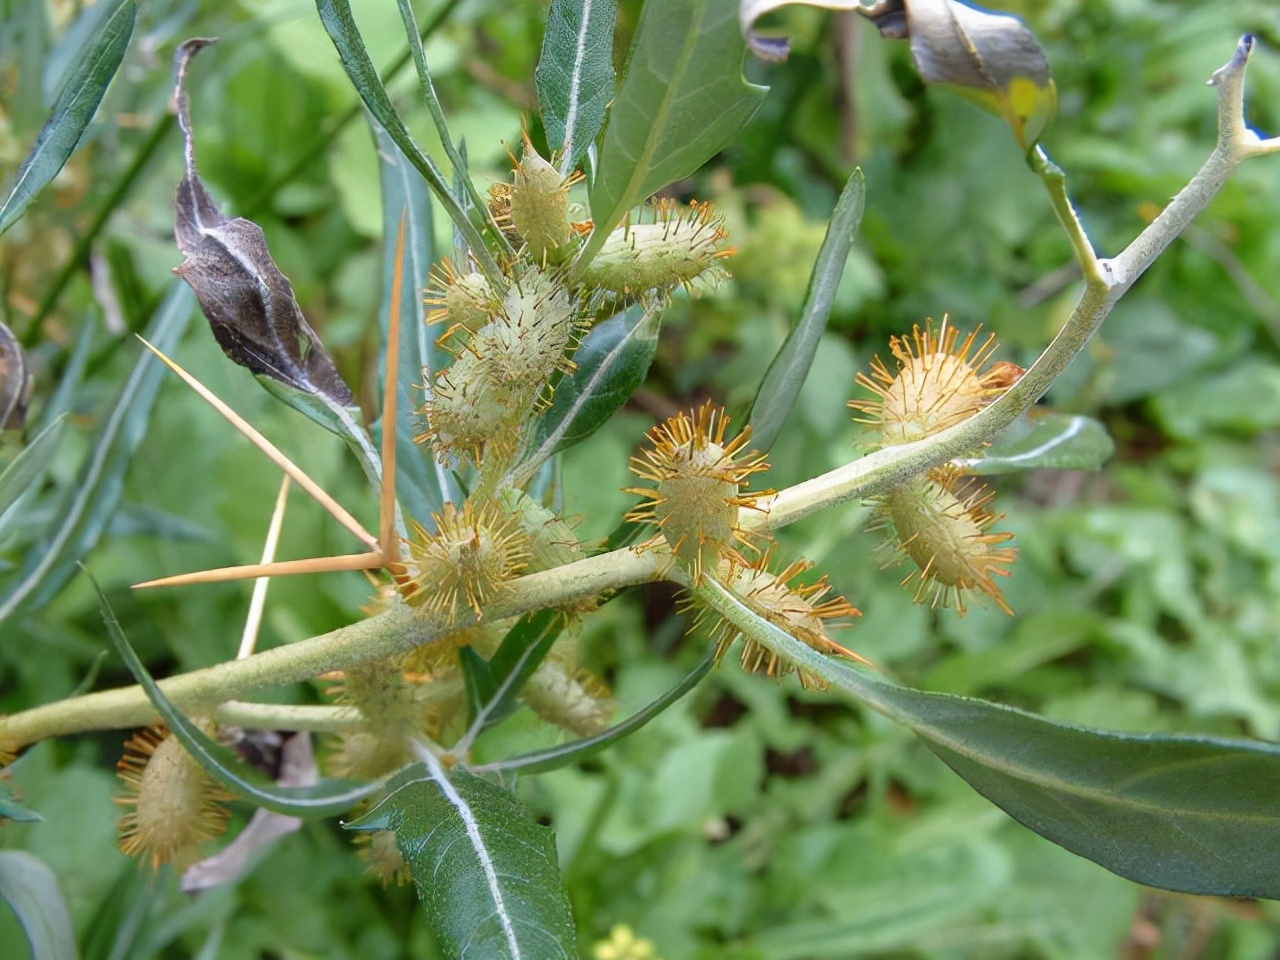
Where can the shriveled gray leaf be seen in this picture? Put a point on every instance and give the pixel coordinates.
(991, 59)
(249, 303)
(16, 382)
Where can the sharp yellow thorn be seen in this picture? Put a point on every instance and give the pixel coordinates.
(336, 510)
(282, 568)
(388, 541)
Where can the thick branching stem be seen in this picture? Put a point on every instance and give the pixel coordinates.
(1105, 281)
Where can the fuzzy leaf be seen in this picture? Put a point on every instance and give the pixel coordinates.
(31, 890)
(82, 91)
(681, 102)
(249, 303)
(1045, 440)
(574, 76)
(790, 367)
(324, 799)
(611, 364)
(92, 500)
(1187, 813)
(486, 873)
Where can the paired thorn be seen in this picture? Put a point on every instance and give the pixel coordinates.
(384, 548)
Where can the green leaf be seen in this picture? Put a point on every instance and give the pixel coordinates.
(485, 871)
(1045, 440)
(324, 799)
(93, 498)
(77, 102)
(16, 383)
(422, 484)
(681, 102)
(31, 890)
(28, 466)
(552, 758)
(341, 27)
(786, 374)
(1187, 813)
(611, 364)
(574, 76)
(464, 187)
(492, 685)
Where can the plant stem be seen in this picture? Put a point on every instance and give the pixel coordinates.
(396, 630)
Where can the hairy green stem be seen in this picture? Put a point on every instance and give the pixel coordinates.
(396, 630)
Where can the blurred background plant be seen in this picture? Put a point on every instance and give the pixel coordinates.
(752, 820)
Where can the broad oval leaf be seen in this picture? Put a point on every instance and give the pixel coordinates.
(1187, 813)
(32, 892)
(249, 303)
(324, 799)
(77, 102)
(681, 102)
(486, 872)
(786, 374)
(1045, 440)
(610, 366)
(574, 76)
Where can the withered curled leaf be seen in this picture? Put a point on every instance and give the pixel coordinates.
(990, 59)
(249, 303)
(16, 382)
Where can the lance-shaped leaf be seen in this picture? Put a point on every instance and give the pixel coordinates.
(91, 501)
(486, 873)
(77, 102)
(249, 303)
(492, 685)
(422, 484)
(323, 799)
(1045, 440)
(1187, 813)
(681, 102)
(552, 758)
(991, 59)
(610, 366)
(786, 374)
(27, 467)
(574, 76)
(31, 890)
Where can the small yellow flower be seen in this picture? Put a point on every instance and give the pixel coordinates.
(623, 944)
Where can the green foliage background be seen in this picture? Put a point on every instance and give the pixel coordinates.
(753, 820)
